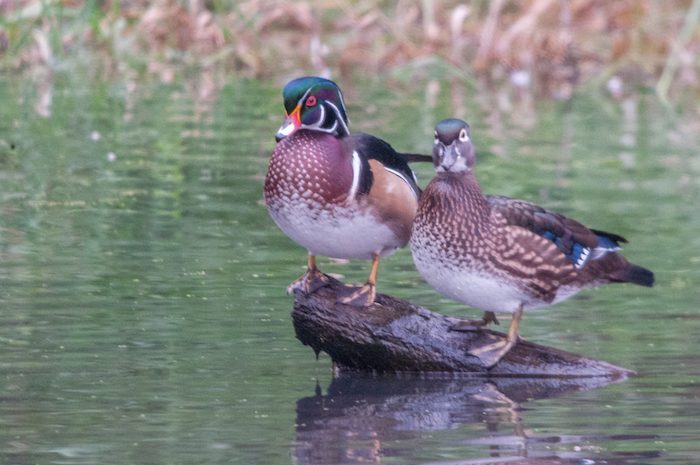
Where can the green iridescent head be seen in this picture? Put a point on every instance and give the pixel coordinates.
(316, 104)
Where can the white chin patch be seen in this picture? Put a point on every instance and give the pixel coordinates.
(286, 130)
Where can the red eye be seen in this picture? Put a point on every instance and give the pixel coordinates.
(311, 101)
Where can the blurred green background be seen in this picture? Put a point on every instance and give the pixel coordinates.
(143, 317)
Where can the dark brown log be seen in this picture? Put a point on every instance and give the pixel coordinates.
(394, 335)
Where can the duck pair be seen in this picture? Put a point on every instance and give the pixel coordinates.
(353, 196)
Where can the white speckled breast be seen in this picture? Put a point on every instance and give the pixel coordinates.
(468, 284)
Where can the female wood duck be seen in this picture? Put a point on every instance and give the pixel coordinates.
(337, 194)
(500, 254)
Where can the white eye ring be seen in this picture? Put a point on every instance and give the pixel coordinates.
(436, 140)
(463, 136)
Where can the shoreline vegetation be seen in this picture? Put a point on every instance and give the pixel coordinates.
(547, 48)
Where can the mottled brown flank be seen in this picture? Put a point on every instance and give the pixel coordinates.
(472, 235)
(534, 217)
(393, 200)
(311, 166)
(611, 267)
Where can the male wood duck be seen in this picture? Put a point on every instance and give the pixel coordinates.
(337, 194)
(500, 254)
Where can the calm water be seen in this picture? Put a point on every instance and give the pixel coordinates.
(143, 318)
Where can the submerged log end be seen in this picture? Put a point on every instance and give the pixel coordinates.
(394, 335)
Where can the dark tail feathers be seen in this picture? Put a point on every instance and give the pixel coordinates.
(416, 157)
(637, 275)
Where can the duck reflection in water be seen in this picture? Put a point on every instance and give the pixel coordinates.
(364, 419)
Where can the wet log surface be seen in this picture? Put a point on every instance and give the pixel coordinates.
(393, 336)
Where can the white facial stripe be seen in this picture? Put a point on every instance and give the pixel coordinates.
(286, 130)
(356, 166)
(334, 127)
(303, 97)
(339, 117)
(319, 122)
(342, 102)
(318, 125)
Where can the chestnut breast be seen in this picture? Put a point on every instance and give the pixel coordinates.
(309, 165)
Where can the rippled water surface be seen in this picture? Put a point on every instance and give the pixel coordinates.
(143, 317)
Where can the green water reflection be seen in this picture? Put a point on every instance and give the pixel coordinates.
(142, 309)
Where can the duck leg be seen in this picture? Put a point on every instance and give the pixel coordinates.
(365, 294)
(491, 354)
(312, 279)
(466, 324)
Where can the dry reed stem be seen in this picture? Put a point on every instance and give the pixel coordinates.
(545, 46)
